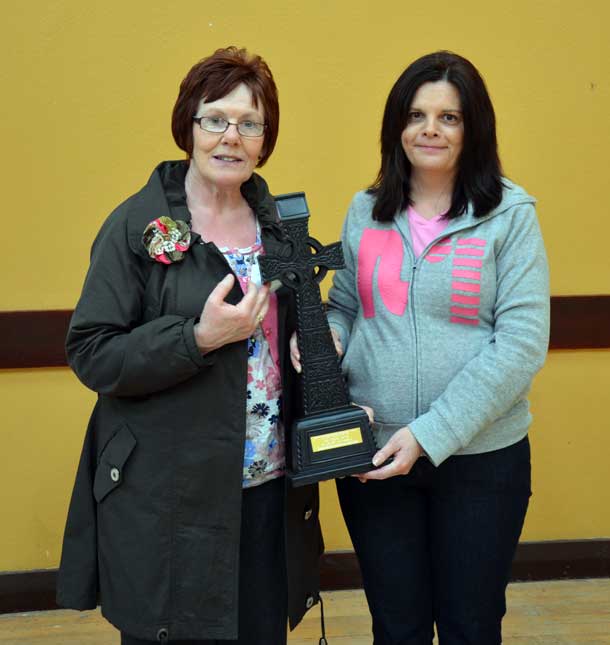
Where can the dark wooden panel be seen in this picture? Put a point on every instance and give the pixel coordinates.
(555, 560)
(36, 338)
(33, 338)
(563, 559)
(27, 591)
(580, 322)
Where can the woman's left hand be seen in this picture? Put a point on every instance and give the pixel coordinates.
(404, 450)
(295, 355)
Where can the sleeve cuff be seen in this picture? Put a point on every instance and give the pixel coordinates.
(188, 336)
(435, 436)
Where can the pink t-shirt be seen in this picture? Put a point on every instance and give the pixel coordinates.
(423, 230)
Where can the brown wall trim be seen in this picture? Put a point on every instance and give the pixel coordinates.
(580, 322)
(564, 559)
(33, 338)
(555, 560)
(36, 338)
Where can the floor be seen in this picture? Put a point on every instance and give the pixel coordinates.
(575, 612)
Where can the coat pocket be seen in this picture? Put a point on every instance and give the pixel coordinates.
(109, 473)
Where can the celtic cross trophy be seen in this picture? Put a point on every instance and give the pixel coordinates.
(333, 438)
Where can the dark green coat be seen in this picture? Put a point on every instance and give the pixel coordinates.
(154, 520)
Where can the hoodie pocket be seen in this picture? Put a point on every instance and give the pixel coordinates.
(109, 473)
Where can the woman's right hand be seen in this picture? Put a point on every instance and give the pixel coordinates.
(403, 449)
(222, 323)
(295, 355)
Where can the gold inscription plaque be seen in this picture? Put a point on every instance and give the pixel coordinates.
(349, 437)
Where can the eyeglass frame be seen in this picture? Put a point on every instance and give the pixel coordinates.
(197, 120)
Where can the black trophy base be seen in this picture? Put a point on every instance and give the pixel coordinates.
(331, 444)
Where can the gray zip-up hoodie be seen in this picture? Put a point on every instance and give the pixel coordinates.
(447, 343)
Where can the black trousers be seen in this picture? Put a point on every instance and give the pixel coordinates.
(435, 546)
(263, 588)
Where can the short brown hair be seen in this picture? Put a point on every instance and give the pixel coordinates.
(215, 77)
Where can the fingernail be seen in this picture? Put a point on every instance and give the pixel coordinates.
(299, 369)
(376, 461)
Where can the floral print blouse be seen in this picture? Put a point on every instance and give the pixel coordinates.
(264, 456)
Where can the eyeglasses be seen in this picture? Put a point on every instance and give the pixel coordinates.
(218, 125)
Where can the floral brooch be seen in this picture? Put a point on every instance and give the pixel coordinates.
(167, 240)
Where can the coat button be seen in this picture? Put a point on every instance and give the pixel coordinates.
(309, 602)
(162, 635)
(115, 475)
(308, 514)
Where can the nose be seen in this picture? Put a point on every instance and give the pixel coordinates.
(231, 135)
(430, 129)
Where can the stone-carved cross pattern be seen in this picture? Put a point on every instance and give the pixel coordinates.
(302, 270)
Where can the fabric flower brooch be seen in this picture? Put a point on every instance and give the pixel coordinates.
(167, 240)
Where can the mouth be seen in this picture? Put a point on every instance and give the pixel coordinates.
(227, 158)
(432, 147)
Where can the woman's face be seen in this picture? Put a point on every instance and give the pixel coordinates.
(434, 136)
(224, 161)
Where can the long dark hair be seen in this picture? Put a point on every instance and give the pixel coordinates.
(479, 174)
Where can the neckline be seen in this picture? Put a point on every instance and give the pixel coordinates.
(246, 250)
(413, 214)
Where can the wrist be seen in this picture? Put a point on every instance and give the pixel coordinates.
(202, 344)
(421, 452)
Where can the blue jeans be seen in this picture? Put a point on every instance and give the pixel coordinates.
(436, 546)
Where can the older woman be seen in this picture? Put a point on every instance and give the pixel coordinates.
(442, 312)
(180, 518)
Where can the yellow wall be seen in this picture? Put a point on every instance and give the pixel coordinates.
(87, 92)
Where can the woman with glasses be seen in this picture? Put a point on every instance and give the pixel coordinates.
(442, 313)
(180, 517)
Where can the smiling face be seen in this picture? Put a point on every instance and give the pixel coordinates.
(224, 161)
(434, 136)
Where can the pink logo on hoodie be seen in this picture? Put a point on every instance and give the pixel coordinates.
(382, 249)
(467, 265)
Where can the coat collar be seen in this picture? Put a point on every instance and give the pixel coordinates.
(165, 191)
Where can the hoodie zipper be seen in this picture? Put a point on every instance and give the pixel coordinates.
(414, 268)
(415, 339)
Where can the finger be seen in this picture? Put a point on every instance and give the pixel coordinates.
(295, 359)
(296, 363)
(259, 312)
(262, 313)
(384, 454)
(222, 289)
(337, 342)
(369, 411)
(295, 355)
(294, 346)
(385, 472)
(248, 302)
(261, 306)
